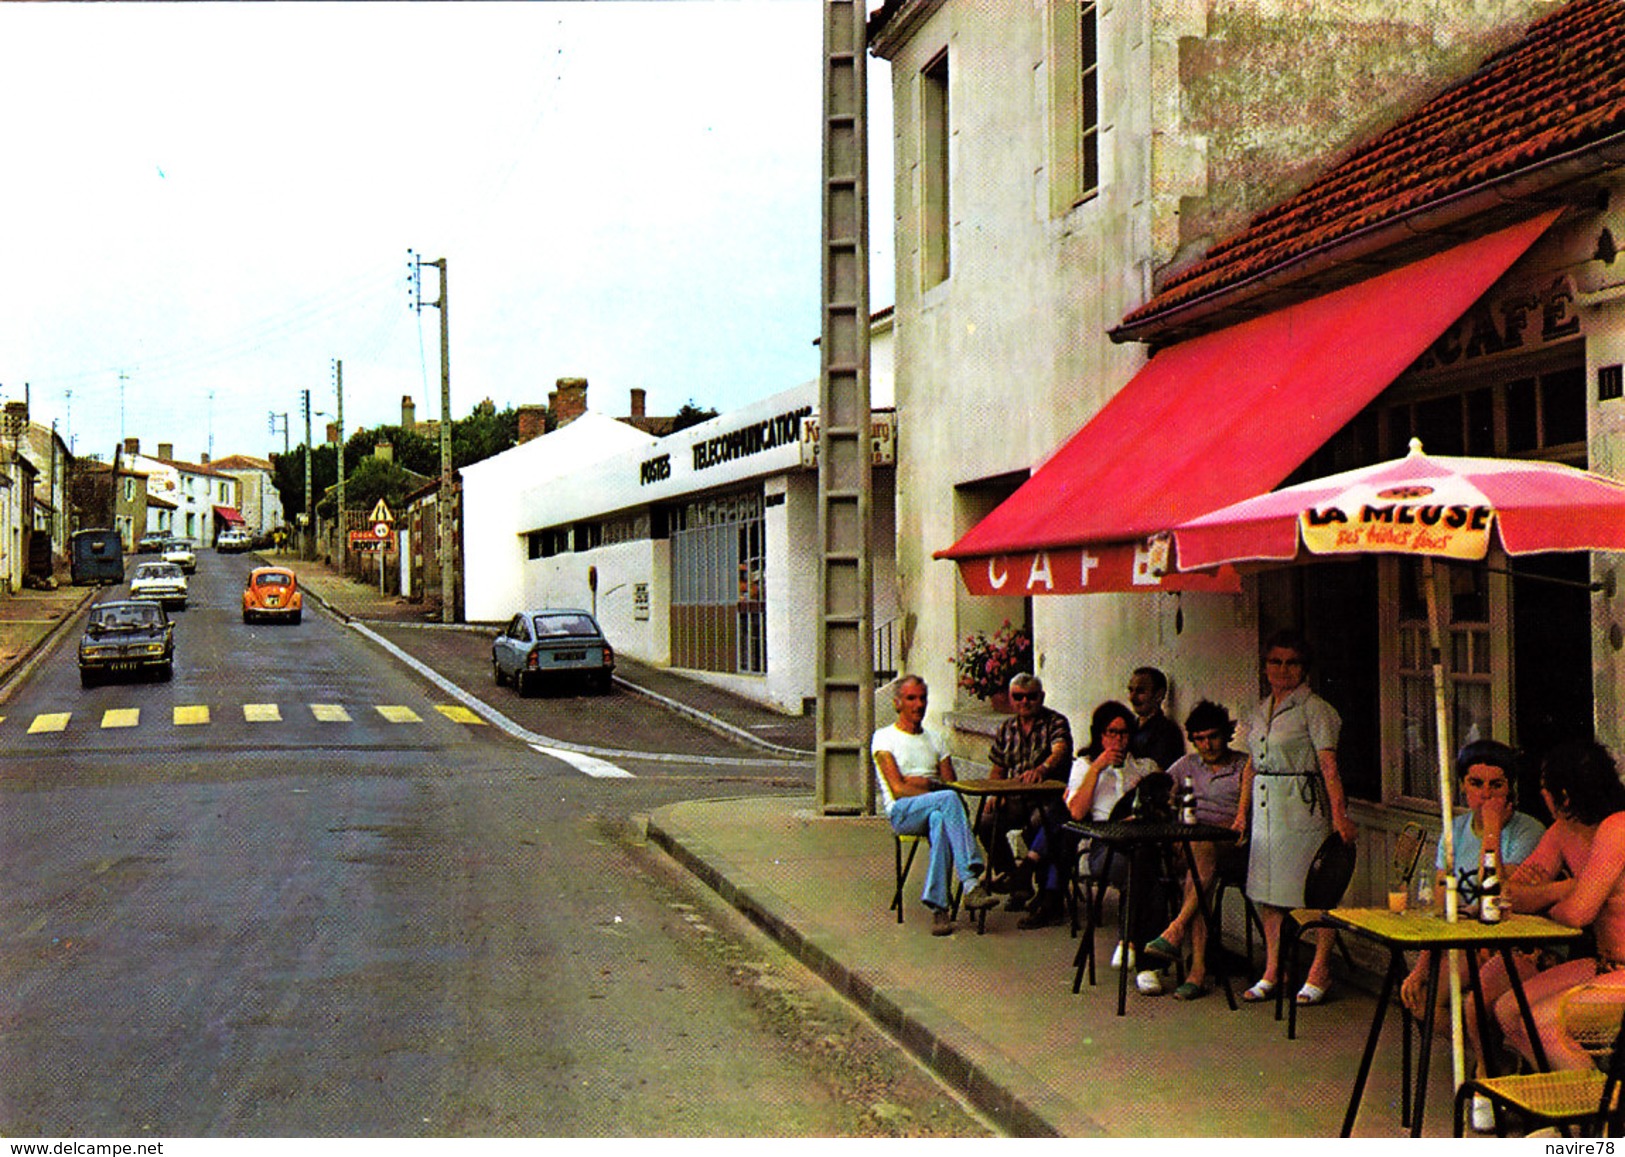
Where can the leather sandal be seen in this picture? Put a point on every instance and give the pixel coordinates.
(1259, 992)
(1312, 994)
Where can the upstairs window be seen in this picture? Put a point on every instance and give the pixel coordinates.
(934, 135)
(1075, 104)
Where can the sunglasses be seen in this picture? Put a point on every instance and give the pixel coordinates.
(1022, 696)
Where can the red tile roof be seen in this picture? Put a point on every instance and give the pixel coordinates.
(1557, 92)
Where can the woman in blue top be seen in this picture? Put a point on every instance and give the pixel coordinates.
(1488, 774)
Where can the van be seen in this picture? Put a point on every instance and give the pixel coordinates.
(98, 557)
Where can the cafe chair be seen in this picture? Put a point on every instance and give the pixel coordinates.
(1232, 876)
(1586, 1099)
(1327, 879)
(1152, 798)
(904, 863)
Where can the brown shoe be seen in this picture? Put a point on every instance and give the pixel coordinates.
(942, 922)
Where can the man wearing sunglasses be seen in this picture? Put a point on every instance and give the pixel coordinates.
(1033, 744)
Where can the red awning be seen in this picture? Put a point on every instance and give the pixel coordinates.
(1217, 419)
(229, 515)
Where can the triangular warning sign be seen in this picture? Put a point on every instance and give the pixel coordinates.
(380, 513)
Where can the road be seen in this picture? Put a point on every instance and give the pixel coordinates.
(298, 890)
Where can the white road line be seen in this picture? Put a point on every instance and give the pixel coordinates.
(590, 764)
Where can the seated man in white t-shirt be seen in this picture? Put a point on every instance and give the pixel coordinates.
(908, 757)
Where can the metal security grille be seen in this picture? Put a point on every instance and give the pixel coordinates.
(718, 597)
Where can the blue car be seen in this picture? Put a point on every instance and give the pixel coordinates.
(555, 646)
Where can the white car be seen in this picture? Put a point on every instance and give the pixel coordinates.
(231, 541)
(182, 553)
(162, 582)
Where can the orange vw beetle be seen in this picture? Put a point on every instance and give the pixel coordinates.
(272, 593)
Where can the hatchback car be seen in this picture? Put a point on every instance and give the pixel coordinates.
(552, 645)
(162, 582)
(128, 637)
(233, 541)
(182, 552)
(151, 542)
(273, 593)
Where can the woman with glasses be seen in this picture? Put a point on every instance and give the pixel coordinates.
(1215, 773)
(1293, 798)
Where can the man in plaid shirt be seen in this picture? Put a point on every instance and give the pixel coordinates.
(1033, 744)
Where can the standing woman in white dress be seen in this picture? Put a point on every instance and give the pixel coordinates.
(1293, 798)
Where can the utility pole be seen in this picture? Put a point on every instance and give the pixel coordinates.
(845, 672)
(274, 416)
(310, 490)
(344, 538)
(443, 502)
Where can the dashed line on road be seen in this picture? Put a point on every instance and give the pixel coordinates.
(50, 722)
(121, 717)
(459, 714)
(329, 713)
(588, 764)
(398, 714)
(191, 715)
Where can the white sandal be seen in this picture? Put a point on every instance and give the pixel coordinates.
(1259, 992)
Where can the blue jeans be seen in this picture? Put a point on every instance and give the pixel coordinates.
(940, 817)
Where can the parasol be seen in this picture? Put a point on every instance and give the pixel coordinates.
(1427, 507)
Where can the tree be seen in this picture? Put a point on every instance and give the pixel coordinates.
(371, 480)
(688, 414)
(288, 471)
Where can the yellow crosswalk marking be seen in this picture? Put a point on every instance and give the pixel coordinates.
(459, 714)
(262, 713)
(329, 713)
(399, 714)
(51, 721)
(191, 715)
(121, 717)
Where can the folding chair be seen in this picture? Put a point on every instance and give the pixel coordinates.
(1323, 887)
(1588, 1099)
(903, 864)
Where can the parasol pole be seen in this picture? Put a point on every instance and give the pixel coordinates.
(1447, 835)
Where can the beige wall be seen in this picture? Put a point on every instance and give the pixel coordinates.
(1209, 111)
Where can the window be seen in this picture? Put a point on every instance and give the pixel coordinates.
(935, 218)
(1075, 104)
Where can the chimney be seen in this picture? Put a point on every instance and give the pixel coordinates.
(638, 396)
(570, 400)
(166, 451)
(203, 459)
(383, 450)
(332, 432)
(132, 446)
(532, 422)
(409, 412)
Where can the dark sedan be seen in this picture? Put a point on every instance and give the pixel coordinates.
(557, 646)
(125, 638)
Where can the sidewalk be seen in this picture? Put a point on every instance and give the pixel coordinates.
(993, 1015)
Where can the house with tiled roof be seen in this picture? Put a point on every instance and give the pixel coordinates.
(1198, 252)
(259, 502)
(205, 499)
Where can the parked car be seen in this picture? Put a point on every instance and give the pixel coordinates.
(162, 582)
(273, 593)
(151, 542)
(233, 541)
(131, 636)
(182, 552)
(96, 556)
(552, 645)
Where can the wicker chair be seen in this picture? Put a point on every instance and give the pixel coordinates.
(1587, 1099)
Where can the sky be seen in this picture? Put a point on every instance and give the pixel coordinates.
(209, 206)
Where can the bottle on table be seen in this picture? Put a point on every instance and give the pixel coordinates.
(1489, 886)
(1187, 802)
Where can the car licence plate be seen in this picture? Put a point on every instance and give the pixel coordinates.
(569, 656)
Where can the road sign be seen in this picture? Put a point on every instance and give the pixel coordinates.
(380, 529)
(380, 513)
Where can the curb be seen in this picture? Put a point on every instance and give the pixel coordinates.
(42, 646)
(1017, 1102)
(693, 714)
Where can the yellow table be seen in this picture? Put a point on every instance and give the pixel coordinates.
(1426, 929)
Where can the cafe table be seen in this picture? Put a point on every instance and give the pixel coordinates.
(984, 790)
(1128, 837)
(1425, 929)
